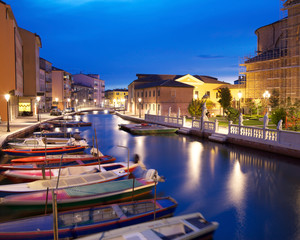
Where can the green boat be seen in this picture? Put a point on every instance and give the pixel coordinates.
(147, 128)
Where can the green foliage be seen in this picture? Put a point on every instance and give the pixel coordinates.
(250, 104)
(293, 118)
(210, 104)
(232, 114)
(225, 97)
(195, 108)
(274, 99)
(278, 114)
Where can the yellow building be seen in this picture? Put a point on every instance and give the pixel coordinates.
(277, 62)
(116, 97)
(159, 92)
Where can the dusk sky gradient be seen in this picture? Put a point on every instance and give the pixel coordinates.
(120, 38)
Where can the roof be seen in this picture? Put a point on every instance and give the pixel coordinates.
(289, 3)
(160, 77)
(164, 83)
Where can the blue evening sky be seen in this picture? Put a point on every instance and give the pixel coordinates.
(120, 38)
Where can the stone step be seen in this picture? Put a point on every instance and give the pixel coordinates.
(184, 130)
(217, 137)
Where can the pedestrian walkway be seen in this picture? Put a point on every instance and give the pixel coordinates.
(21, 123)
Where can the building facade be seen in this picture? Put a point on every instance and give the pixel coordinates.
(159, 93)
(45, 85)
(61, 88)
(116, 97)
(276, 64)
(91, 81)
(11, 62)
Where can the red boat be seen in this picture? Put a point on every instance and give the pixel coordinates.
(41, 152)
(37, 163)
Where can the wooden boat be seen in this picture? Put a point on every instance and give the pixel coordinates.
(41, 152)
(190, 226)
(76, 223)
(147, 128)
(27, 175)
(56, 134)
(65, 182)
(54, 162)
(42, 143)
(76, 197)
(72, 123)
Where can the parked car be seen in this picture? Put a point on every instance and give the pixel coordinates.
(55, 112)
(69, 110)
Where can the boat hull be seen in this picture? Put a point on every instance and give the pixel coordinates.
(79, 196)
(165, 207)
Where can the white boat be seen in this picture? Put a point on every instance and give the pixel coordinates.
(42, 143)
(190, 226)
(63, 183)
(32, 175)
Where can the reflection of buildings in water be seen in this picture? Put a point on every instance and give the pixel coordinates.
(262, 173)
(192, 181)
(237, 191)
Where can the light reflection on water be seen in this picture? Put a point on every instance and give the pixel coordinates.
(252, 194)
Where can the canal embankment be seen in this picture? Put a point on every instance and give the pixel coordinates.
(271, 140)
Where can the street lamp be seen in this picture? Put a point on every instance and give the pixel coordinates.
(69, 100)
(240, 96)
(266, 95)
(7, 97)
(140, 100)
(95, 100)
(38, 98)
(84, 102)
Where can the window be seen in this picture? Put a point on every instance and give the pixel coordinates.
(138, 94)
(208, 93)
(217, 95)
(153, 106)
(158, 93)
(149, 93)
(173, 93)
(153, 93)
(142, 94)
(146, 94)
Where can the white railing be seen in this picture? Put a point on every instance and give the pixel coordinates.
(173, 121)
(254, 132)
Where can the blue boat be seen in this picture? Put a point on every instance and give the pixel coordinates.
(81, 222)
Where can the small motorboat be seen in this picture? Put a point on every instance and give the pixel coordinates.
(76, 223)
(42, 152)
(42, 143)
(68, 180)
(79, 196)
(189, 226)
(147, 128)
(28, 175)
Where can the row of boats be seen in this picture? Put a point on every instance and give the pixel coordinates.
(84, 194)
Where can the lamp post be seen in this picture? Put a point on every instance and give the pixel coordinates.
(69, 100)
(140, 100)
(240, 96)
(84, 102)
(76, 102)
(95, 101)
(38, 98)
(266, 95)
(7, 97)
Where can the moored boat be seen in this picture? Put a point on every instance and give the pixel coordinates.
(189, 226)
(42, 152)
(65, 182)
(42, 143)
(32, 175)
(76, 223)
(85, 195)
(147, 128)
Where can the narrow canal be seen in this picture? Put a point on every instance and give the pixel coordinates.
(252, 194)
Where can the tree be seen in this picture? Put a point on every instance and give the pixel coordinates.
(232, 114)
(278, 114)
(274, 99)
(225, 97)
(195, 108)
(250, 104)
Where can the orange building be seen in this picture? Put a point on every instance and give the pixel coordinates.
(11, 62)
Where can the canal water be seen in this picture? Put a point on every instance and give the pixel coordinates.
(252, 194)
